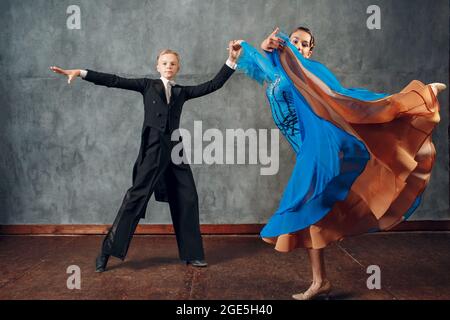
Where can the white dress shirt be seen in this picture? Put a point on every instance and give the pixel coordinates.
(168, 84)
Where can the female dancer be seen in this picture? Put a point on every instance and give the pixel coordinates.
(363, 159)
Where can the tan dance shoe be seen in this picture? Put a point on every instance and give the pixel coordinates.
(310, 294)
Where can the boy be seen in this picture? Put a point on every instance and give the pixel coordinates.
(154, 171)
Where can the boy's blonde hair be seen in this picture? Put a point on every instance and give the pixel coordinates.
(167, 51)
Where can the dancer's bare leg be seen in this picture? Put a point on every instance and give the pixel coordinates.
(320, 282)
(316, 258)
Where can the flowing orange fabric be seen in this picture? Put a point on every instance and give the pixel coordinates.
(396, 131)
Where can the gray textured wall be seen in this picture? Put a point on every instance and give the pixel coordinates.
(66, 152)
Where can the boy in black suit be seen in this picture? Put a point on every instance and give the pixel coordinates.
(154, 170)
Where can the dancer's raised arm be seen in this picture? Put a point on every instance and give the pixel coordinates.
(234, 51)
(103, 79)
(272, 41)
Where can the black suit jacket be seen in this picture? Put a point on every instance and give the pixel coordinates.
(158, 114)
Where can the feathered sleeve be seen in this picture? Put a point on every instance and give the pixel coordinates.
(255, 65)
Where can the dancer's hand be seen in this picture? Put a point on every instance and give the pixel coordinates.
(234, 50)
(71, 74)
(272, 42)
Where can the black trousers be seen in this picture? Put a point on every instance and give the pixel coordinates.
(154, 164)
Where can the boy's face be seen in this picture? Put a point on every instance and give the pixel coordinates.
(301, 40)
(168, 66)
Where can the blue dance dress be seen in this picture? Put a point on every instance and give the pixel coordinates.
(336, 186)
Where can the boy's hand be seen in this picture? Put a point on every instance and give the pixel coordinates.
(71, 74)
(272, 42)
(234, 50)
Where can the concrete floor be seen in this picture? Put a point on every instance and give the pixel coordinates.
(414, 265)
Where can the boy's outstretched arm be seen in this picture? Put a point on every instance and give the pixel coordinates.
(114, 81)
(103, 79)
(221, 77)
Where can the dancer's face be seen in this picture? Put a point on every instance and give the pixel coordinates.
(168, 65)
(301, 40)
